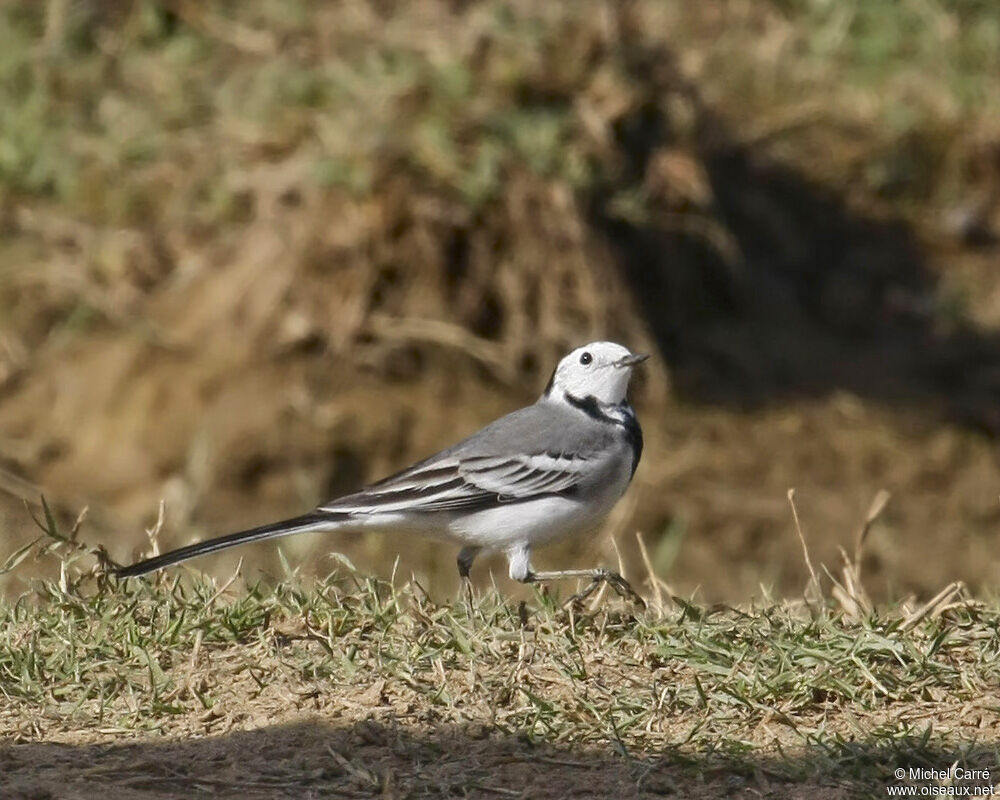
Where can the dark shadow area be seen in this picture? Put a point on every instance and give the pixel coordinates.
(774, 288)
(382, 759)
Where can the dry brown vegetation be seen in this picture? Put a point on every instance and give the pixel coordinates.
(252, 260)
(254, 254)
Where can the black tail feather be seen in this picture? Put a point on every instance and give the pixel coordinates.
(285, 527)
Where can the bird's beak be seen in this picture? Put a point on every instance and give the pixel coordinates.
(631, 360)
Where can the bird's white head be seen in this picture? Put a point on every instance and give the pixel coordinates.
(599, 369)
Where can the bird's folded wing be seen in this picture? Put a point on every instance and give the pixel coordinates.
(468, 483)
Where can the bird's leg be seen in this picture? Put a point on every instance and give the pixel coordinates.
(520, 570)
(465, 558)
(597, 577)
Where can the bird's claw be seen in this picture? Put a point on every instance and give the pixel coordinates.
(621, 586)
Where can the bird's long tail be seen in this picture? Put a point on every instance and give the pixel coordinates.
(307, 522)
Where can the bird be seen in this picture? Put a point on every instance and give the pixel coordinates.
(539, 474)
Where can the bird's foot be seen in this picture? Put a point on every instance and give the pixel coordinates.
(597, 576)
(621, 586)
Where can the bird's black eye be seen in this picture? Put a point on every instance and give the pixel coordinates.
(586, 358)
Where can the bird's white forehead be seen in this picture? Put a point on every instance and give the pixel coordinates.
(601, 351)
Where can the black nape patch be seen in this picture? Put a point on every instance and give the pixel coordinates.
(590, 406)
(550, 384)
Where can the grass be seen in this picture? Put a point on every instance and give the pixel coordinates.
(152, 112)
(768, 695)
(143, 141)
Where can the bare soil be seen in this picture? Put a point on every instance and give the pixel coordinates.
(807, 331)
(463, 730)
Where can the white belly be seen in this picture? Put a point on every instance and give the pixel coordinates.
(519, 523)
(537, 522)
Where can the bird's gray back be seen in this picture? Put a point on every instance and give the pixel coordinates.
(544, 427)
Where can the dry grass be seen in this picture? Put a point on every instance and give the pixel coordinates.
(255, 254)
(355, 687)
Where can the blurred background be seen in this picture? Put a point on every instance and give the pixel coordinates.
(257, 253)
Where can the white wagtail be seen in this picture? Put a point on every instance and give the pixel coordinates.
(543, 472)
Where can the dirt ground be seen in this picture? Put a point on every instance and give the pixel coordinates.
(808, 330)
(302, 739)
(436, 706)
(312, 756)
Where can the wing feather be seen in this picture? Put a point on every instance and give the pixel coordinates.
(468, 483)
